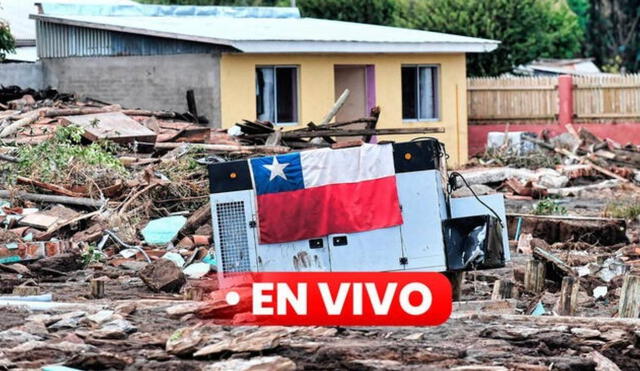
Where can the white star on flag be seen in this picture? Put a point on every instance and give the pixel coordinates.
(277, 169)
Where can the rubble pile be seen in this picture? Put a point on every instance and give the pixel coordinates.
(107, 258)
(570, 164)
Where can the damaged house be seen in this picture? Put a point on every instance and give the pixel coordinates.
(258, 63)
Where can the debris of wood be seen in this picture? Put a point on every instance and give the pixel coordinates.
(503, 289)
(534, 276)
(630, 297)
(568, 296)
(115, 126)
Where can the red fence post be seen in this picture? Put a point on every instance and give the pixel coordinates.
(565, 99)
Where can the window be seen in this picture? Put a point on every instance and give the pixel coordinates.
(420, 93)
(277, 94)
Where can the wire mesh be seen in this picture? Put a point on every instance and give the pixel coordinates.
(234, 243)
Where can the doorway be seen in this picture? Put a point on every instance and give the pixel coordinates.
(360, 80)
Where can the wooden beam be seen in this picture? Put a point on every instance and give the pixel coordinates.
(534, 276)
(359, 132)
(630, 297)
(568, 296)
(78, 201)
(336, 107)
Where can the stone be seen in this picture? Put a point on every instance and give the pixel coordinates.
(163, 275)
(585, 333)
(101, 316)
(126, 309)
(256, 341)
(184, 341)
(272, 363)
(180, 310)
(116, 329)
(17, 336)
(62, 346)
(133, 265)
(415, 336)
(66, 323)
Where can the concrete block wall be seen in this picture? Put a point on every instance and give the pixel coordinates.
(148, 82)
(24, 75)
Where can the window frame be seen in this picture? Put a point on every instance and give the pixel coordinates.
(437, 92)
(275, 91)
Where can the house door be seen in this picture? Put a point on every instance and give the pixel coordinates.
(357, 80)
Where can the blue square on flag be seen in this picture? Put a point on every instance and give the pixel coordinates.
(277, 173)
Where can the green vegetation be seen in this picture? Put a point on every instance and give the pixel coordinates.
(63, 156)
(607, 30)
(527, 29)
(91, 255)
(548, 207)
(7, 43)
(626, 209)
(532, 160)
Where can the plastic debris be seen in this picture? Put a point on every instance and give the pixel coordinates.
(197, 270)
(164, 230)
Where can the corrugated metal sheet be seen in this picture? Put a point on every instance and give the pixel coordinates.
(149, 10)
(60, 41)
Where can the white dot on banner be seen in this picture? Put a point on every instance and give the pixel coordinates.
(233, 298)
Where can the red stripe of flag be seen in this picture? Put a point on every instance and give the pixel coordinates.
(334, 208)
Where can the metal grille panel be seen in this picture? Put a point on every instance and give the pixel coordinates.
(234, 243)
(61, 41)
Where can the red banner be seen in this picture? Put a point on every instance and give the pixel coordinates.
(334, 299)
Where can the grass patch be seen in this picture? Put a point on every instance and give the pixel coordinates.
(63, 159)
(532, 160)
(629, 209)
(548, 207)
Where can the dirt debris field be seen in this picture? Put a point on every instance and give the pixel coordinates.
(107, 260)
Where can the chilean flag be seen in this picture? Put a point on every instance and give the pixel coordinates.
(315, 193)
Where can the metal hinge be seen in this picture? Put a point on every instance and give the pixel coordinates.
(404, 260)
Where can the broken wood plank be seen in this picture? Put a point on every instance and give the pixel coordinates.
(38, 220)
(336, 107)
(548, 320)
(49, 187)
(630, 297)
(79, 201)
(371, 125)
(507, 306)
(17, 125)
(115, 126)
(199, 217)
(158, 114)
(503, 289)
(97, 288)
(534, 276)
(568, 296)
(8, 158)
(603, 363)
(557, 262)
(358, 132)
(225, 147)
(79, 111)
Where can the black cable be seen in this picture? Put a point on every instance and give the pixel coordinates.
(455, 174)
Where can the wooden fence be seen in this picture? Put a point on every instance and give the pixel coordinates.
(536, 99)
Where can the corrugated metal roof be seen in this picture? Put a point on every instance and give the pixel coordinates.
(59, 41)
(16, 12)
(277, 35)
(146, 10)
(260, 35)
